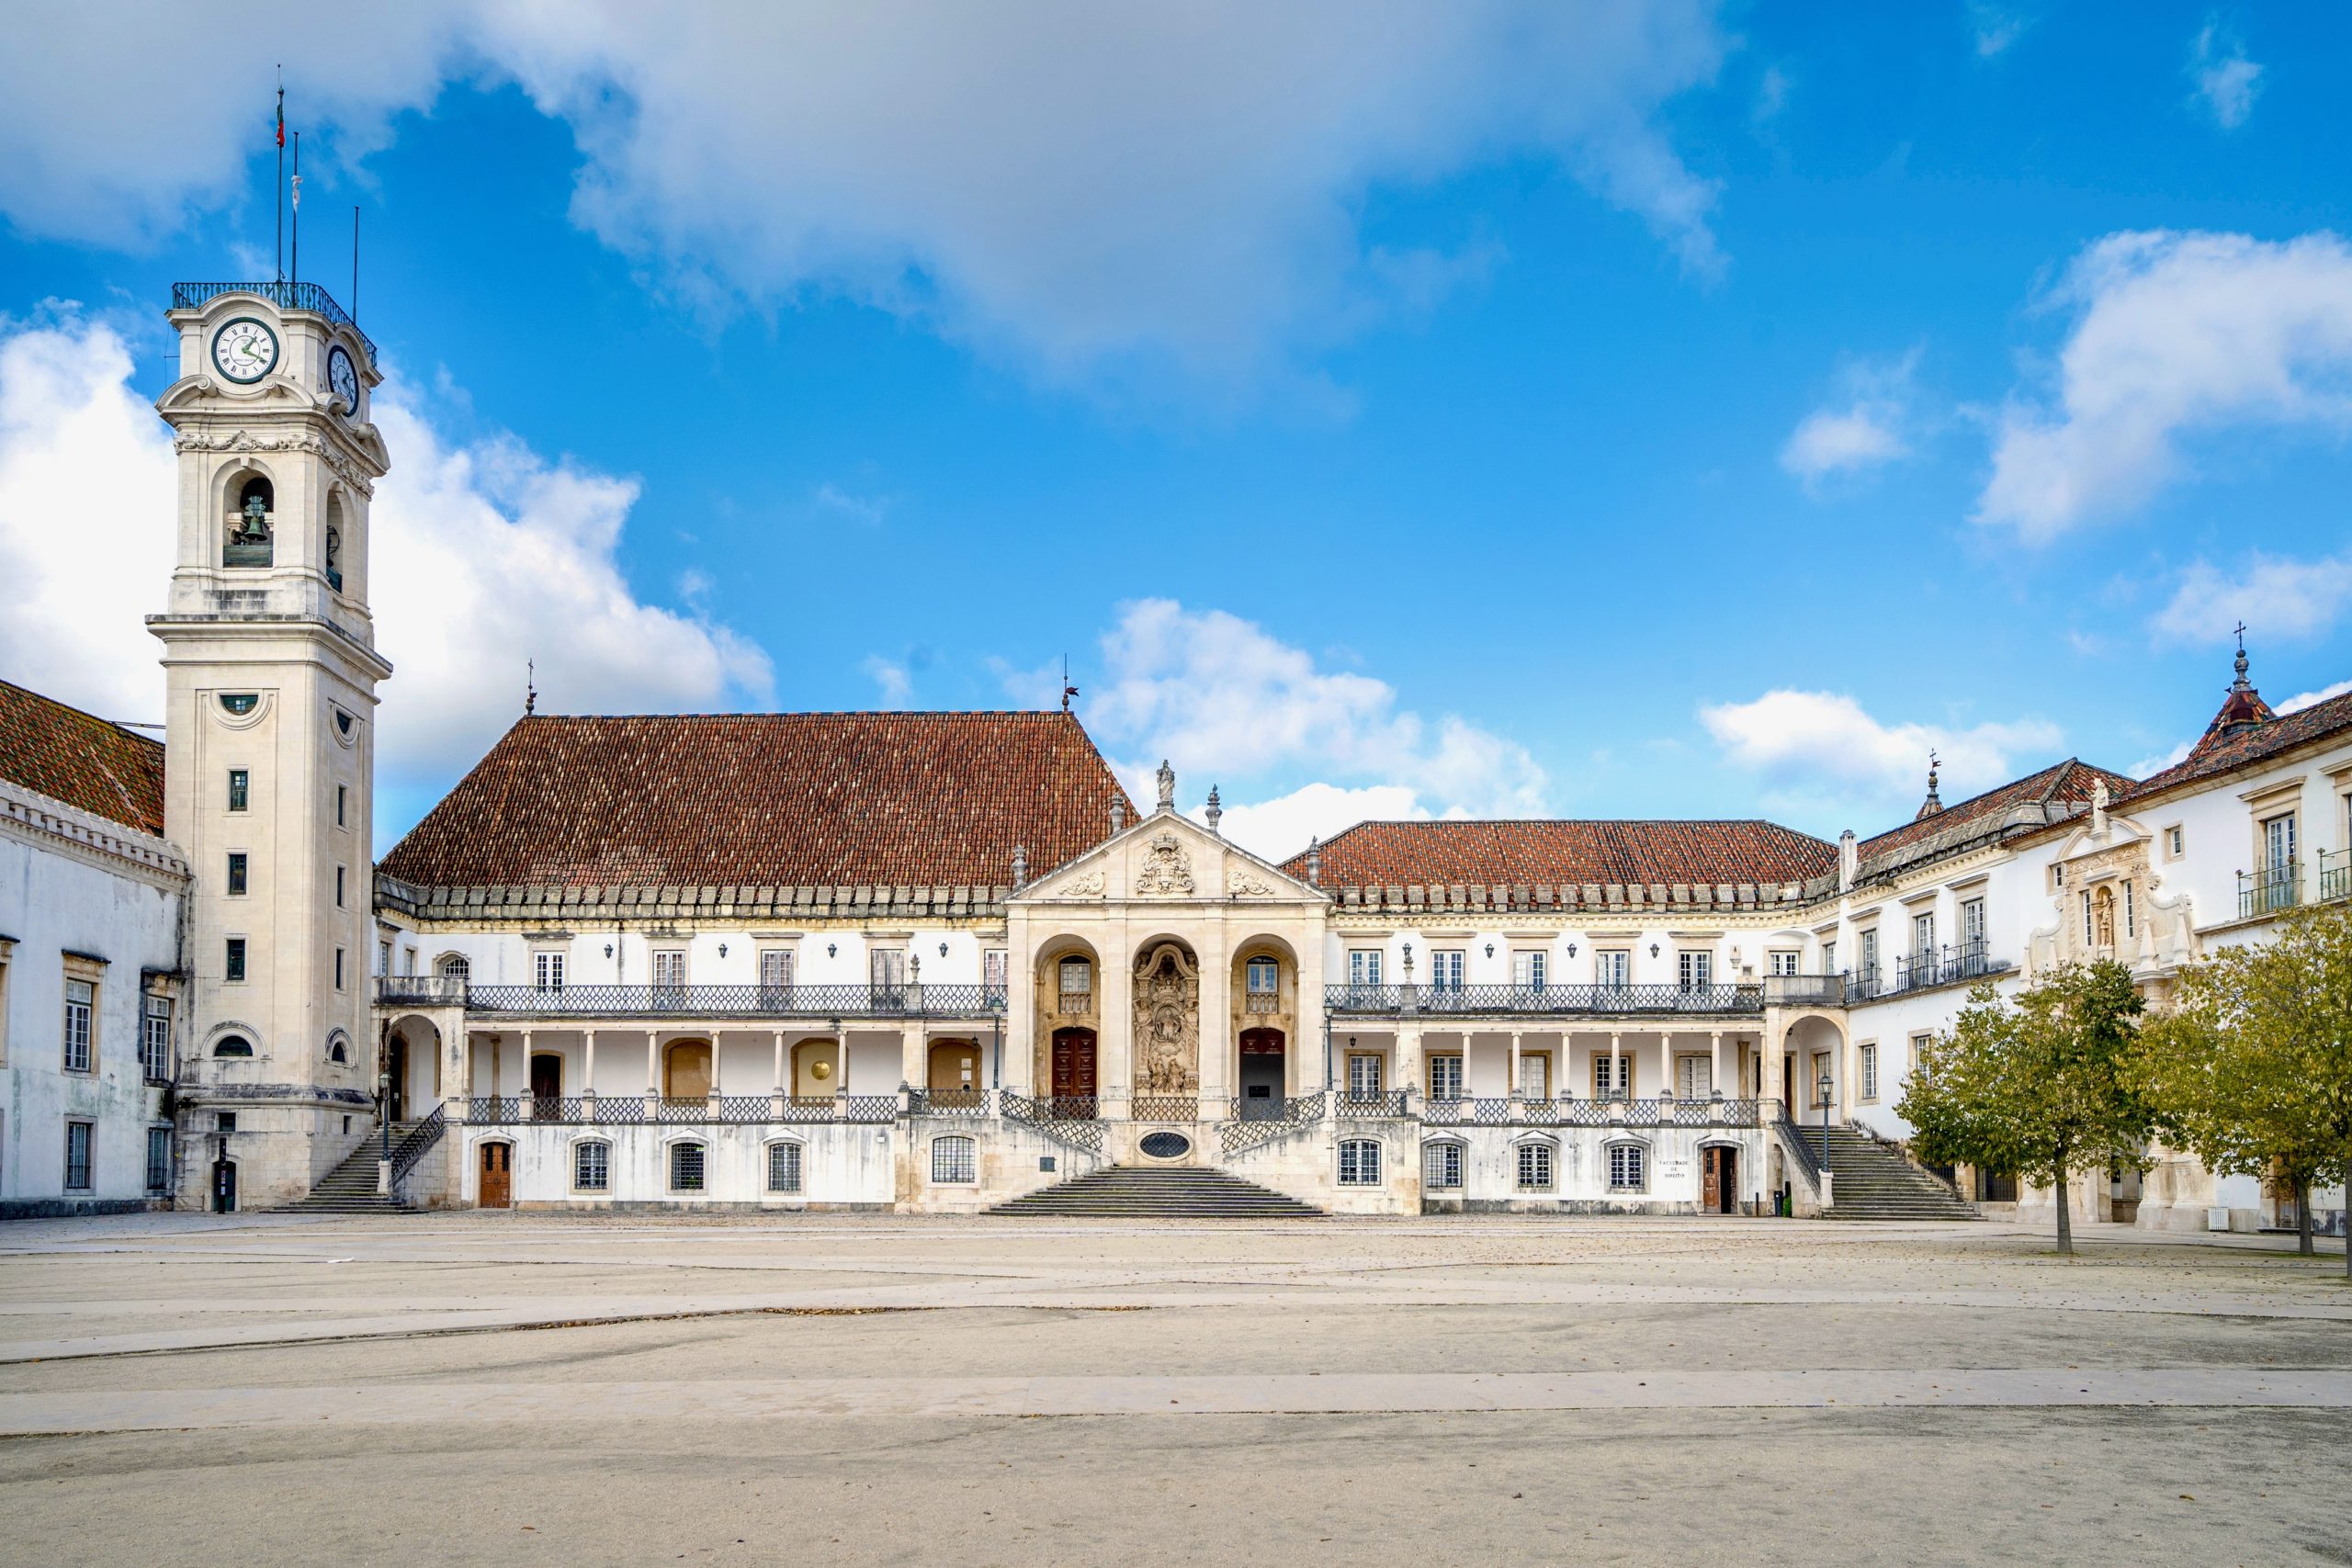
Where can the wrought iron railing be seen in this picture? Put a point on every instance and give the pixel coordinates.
(1165, 1108)
(420, 991)
(947, 1102)
(2334, 874)
(1963, 961)
(1293, 1114)
(285, 296)
(1045, 1113)
(415, 1144)
(2270, 889)
(735, 1001)
(869, 1108)
(1863, 984)
(1806, 1155)
(494, 1110)
(1544, 1000)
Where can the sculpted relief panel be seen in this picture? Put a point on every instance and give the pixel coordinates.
(1167, 871)
(1168, 1022)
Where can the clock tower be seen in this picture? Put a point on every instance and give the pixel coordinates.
(271, 667)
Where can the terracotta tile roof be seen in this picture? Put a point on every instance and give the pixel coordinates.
(81, 759)
(2064, 784)
(1561, 854)
(870, 800)
(2222, 752)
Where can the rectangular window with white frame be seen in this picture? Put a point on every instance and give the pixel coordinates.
(784, 1168)
(1695, 969)
(775, 973)
(1612, 968)
(81, 1142)
(2174, 839)
(1358, 1163)
(1869, 1055)
(1445, 969)
(155, 1039)
(1445, 1076)
(547, 969)
(1534, 1075)
(1829, 955)
(670, 968)
(1528, 967)
(81, 1025)
(1694, 1077)
(1364, 966)
(1780, 962)
(1628, 1170)
(1364, 1075)
(1923, 934)
(1603, 1088)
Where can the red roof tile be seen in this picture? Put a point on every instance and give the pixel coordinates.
(1569, 853)
(81, 759)
(798, 800)
(2067, 783)
(2220, 752)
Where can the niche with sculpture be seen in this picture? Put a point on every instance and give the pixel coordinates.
(1168, 1021)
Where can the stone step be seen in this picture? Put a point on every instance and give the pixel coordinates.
(1157, 1192)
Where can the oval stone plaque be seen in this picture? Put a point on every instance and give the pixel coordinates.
(1166, 1146)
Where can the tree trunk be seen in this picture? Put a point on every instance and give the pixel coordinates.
(2303, 1216)
(2348, 1217)
(2065, 1219)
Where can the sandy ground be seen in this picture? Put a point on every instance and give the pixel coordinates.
(499, 1388)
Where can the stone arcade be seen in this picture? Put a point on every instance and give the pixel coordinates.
(936, 962)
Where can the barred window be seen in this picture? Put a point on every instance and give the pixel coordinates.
(81, 1006)
(784, 1167)
(159, 1159)
(592, 1165)
(1360, 1163)
(685, 1168)
(1536, 1167)
(1625, 1168)
(954, 1160)
(1442, 1165)
(455, 967)
(78, 1175)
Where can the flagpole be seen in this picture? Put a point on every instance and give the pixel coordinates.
(282, 174)
(297, 207)
(354, 263)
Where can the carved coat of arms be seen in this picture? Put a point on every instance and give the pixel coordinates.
(1166, 871)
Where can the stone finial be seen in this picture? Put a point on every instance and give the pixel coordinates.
(914, 966)
(1215, 811)
(1119, 814)
(1020, 865)
(1166, 786)
(1314, 861)
(1934, 803)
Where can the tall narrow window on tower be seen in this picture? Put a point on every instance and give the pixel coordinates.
(334, 542)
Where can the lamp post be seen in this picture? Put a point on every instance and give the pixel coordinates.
(384, 1106)
(1825, 1086)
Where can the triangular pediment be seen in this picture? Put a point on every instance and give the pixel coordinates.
(1169, 858)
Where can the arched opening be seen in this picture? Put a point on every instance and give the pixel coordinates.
(453, 966)
(1259, 1083)
(232, 1045)
(685, 1070)
(1072, 1084)
(496, 1188)
(816, 1071)
(247, 538)
(953, 1073)
(1067, 974)
(339, 1048)
(334, 542)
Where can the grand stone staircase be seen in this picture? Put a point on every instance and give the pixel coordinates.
(1158, 1192)
(1871, 1180)
(350, 1188)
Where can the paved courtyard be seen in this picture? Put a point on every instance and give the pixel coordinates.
(501, 1388)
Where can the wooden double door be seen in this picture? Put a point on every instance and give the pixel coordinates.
(497, 1191)
(1073, 1064)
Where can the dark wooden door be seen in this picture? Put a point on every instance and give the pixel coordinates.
(547, 1086)
(1073, 1064)
(1712, 1174)
(398, 1063)
(497, 1177)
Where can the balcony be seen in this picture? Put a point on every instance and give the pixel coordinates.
(1966, 962)
(285, 296)
(1263, 1003)
(1545, 1001)
(1805, 990)
(2334, 874)
(693, 1001)
(2272, 890)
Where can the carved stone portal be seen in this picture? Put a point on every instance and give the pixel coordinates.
(1168, 1022)
(1166, 871)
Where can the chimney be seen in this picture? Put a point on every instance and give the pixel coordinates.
(1849, 861)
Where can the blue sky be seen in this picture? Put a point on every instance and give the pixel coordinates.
(1669, 412)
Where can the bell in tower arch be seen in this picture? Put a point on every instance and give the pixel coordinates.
(248, 541)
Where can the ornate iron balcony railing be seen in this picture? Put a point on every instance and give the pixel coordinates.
(1544, 1000)
(285, 296)
(2270, 890)
(1963, 961)
(2334, 874)
(734, 1001)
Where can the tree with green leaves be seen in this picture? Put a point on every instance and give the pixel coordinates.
(2251, 1069)
(2040, 1084)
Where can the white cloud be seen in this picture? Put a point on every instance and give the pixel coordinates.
(1995, 28)
(2174, 334)
(2301, 699)
(1278, 828)
(1228, 704)
(2227, 82)
(897, 685)
(481, 557)
(1821, 755)
(1864, 431)
(1081, 186)
(2274, 596)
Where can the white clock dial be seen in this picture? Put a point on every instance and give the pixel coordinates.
(343, 379)
(244, 349)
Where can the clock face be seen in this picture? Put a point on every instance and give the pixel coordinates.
(244, 349)
(343, 379)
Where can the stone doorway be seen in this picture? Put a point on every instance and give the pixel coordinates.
(1259, 1085)
(1073, 1076)
(1719, 1180)
(497, 1177)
